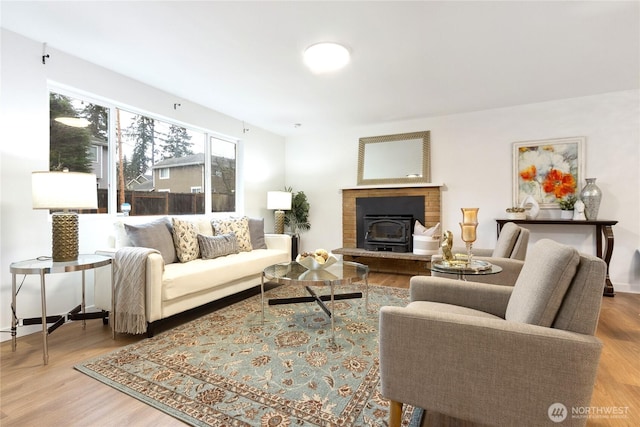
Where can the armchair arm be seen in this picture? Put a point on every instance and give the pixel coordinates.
(484, 370)
(479, 296)
(507, 277)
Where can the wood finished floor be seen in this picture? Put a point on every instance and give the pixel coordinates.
(32, 394)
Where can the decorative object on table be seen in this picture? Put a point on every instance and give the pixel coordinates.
(566, 207)
(578, 211)
(516, 213)
(64, 190)
(426, 241)
(446, 245)
(531, 207)
(548, 170)
(468, 228)
(316, 260)
(279, 201)
(591, 195)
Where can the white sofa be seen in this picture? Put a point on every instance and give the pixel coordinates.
(172, 288)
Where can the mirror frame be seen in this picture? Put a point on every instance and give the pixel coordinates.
(426, 158)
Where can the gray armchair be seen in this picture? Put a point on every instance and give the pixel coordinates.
(509, 253)
(498, 355)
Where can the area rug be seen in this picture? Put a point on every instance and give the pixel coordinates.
(229, 368)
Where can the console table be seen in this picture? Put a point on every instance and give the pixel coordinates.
(603, 228)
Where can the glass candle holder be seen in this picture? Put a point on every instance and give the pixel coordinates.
(468, 232)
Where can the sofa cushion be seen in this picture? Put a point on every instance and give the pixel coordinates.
(256, 233)
(542, 283)
(238, 226)
(185, 239)
(217, 246)
(200, 275)
(156, 235)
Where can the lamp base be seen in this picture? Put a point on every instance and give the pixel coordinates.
(65, 236)
(279, 218)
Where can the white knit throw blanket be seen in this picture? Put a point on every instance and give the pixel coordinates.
(130, 277)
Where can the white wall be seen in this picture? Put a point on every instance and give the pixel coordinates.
(471, 154)
(24, 147)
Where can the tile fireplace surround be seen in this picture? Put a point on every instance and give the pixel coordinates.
(387, 262)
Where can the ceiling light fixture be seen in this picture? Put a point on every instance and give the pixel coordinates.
(326, 57)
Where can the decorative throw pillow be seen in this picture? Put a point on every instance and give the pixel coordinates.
(256, 233)
(155, 235)
(238, 226)
(217, 246)
(185, 239)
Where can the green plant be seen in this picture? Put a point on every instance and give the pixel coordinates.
(297, 219)
(568, 203)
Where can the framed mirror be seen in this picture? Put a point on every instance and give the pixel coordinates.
(395, 159)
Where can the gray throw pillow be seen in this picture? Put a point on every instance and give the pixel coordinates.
(256, 233)
(156, 235)
(217, 246)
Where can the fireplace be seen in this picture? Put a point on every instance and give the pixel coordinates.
(403, 210)
(391, 233)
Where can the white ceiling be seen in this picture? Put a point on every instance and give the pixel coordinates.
(409, 59)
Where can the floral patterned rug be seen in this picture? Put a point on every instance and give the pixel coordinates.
(228, 368)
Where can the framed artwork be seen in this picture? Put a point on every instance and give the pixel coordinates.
(549, 170)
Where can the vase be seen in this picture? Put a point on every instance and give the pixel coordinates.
(591, 196)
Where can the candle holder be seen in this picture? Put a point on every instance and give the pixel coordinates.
(468, 228)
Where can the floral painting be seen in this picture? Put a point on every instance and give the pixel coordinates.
(548, 170)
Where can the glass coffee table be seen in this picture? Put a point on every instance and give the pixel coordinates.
(336, 275)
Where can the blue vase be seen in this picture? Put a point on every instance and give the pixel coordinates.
(591, 196)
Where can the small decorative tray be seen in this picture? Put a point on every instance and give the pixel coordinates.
(462, 266)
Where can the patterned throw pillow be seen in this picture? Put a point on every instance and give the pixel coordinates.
(217, 246)
(185, 240)
(238, 226)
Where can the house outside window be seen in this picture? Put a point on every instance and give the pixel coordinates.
(146, 150)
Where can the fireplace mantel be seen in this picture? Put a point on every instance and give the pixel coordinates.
(382, 186)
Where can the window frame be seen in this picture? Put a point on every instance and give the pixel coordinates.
(112, 208)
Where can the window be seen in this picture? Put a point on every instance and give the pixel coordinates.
(145, 150)
(223, 175)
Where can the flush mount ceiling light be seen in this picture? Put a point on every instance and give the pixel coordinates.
(326, 57)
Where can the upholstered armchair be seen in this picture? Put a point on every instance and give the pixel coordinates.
(509, 253)
(498, 355)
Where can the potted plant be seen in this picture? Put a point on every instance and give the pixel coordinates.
(566, 206)
(297, 219)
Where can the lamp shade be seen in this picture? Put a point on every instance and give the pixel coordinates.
(64, 190)
(279, 200)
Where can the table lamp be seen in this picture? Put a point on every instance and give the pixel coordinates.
(64, 190)
(279, 201)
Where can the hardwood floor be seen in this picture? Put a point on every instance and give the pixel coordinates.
(32, 394)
